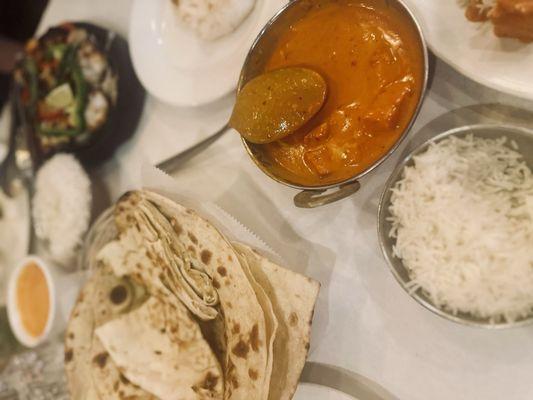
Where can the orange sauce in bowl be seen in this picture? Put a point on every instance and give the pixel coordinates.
(371, 58)
(33, 299)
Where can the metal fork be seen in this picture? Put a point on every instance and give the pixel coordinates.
(16, 170)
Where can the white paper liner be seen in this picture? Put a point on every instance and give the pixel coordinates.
(157, 181)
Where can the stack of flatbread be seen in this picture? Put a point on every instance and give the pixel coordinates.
(174, 311)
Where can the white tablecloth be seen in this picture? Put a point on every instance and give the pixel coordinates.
(364, 321)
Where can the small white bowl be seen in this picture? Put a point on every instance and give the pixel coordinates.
(12, 308)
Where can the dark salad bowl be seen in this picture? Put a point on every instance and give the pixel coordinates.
(61, 122)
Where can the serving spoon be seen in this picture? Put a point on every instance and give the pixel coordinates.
(268, 108)
(277, 103)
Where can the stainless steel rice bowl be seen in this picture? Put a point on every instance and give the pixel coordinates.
(524, 139)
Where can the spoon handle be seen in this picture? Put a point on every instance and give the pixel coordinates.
(172, 164)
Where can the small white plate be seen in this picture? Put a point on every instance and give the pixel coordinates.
(311, 391)
(473, 49)
(179, 68)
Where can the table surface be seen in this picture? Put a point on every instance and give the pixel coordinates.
(364, 321)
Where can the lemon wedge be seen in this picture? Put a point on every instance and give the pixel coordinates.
(60, 97)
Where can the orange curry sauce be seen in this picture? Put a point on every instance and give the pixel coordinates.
(33, 299)
(370, 57)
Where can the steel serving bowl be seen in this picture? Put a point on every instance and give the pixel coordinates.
(315, 196)
(524, 138)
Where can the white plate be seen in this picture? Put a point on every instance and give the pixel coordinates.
(472, 48)
(181, 69)
(311, 391)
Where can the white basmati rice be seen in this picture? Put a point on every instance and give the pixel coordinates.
(462, 218)
(62, 206)
(486, 5)
(212, 19)
(483, 5)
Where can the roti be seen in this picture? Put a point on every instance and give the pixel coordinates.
(91, 374)
(271, 325)
(179, 241)
(163, 351)
(113, 316)
(293, 298)
(174, 311)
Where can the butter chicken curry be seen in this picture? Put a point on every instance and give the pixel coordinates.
(370, 56)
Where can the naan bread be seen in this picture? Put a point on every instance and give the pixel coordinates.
(196, 246)
(161, 349)
(293, 298)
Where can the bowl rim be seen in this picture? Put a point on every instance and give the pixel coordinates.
(423, 91)
(464, 319)
(12, 309)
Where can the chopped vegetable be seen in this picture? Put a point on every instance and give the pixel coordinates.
(66, 62)
(56, 51)
(31, 69)
(81, 96)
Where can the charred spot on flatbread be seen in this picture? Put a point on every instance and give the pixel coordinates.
(131, 199)
(123, 379)
(210, 381)
(118, 294)
(206, 255)
(101, 359)
(253, 374)
(222, 271)
(176, 226)
(241, 349)
(234, 382)
(69, 355)
(216, 284)
(293, 319)
(192, 237)
(236, 329)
